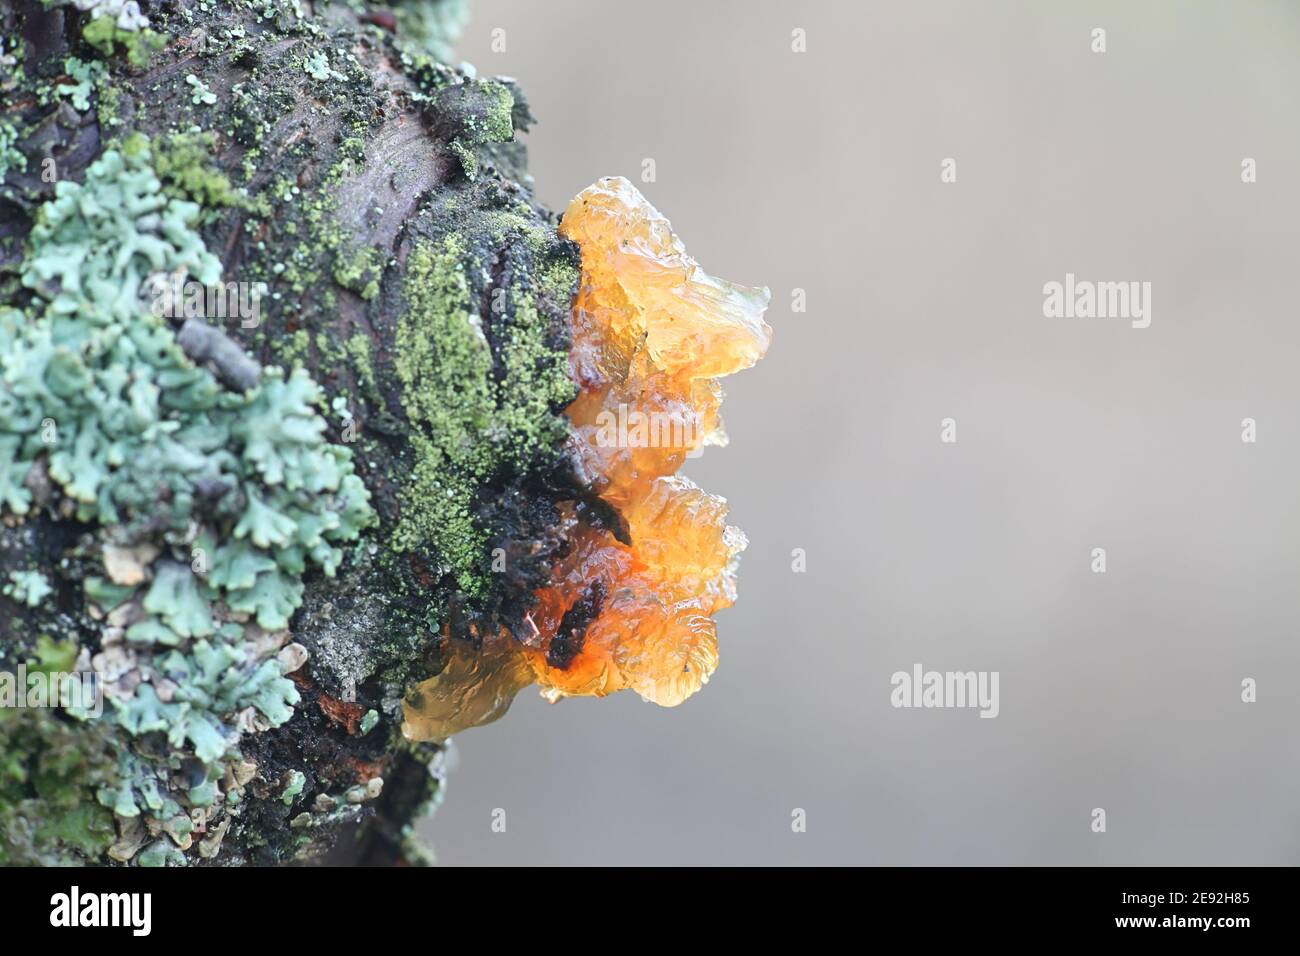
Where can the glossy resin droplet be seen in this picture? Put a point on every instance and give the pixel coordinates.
(651, 334)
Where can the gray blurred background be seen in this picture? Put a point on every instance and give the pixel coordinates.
(820, 171)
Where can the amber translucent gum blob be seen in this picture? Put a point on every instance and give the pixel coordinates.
(651, 334)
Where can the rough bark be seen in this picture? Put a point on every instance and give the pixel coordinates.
(324, 149)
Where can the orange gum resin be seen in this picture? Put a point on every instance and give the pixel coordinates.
(652, 333)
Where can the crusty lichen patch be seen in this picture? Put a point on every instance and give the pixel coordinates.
(444, 363)
(472, 415)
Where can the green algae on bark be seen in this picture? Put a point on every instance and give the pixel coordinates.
(473, 417)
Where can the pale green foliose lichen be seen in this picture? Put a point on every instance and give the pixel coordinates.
(200, 95)
(214, 503)
(84, 77)
(317, 66)
(28, 587)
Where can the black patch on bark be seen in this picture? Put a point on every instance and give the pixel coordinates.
(572, 631)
